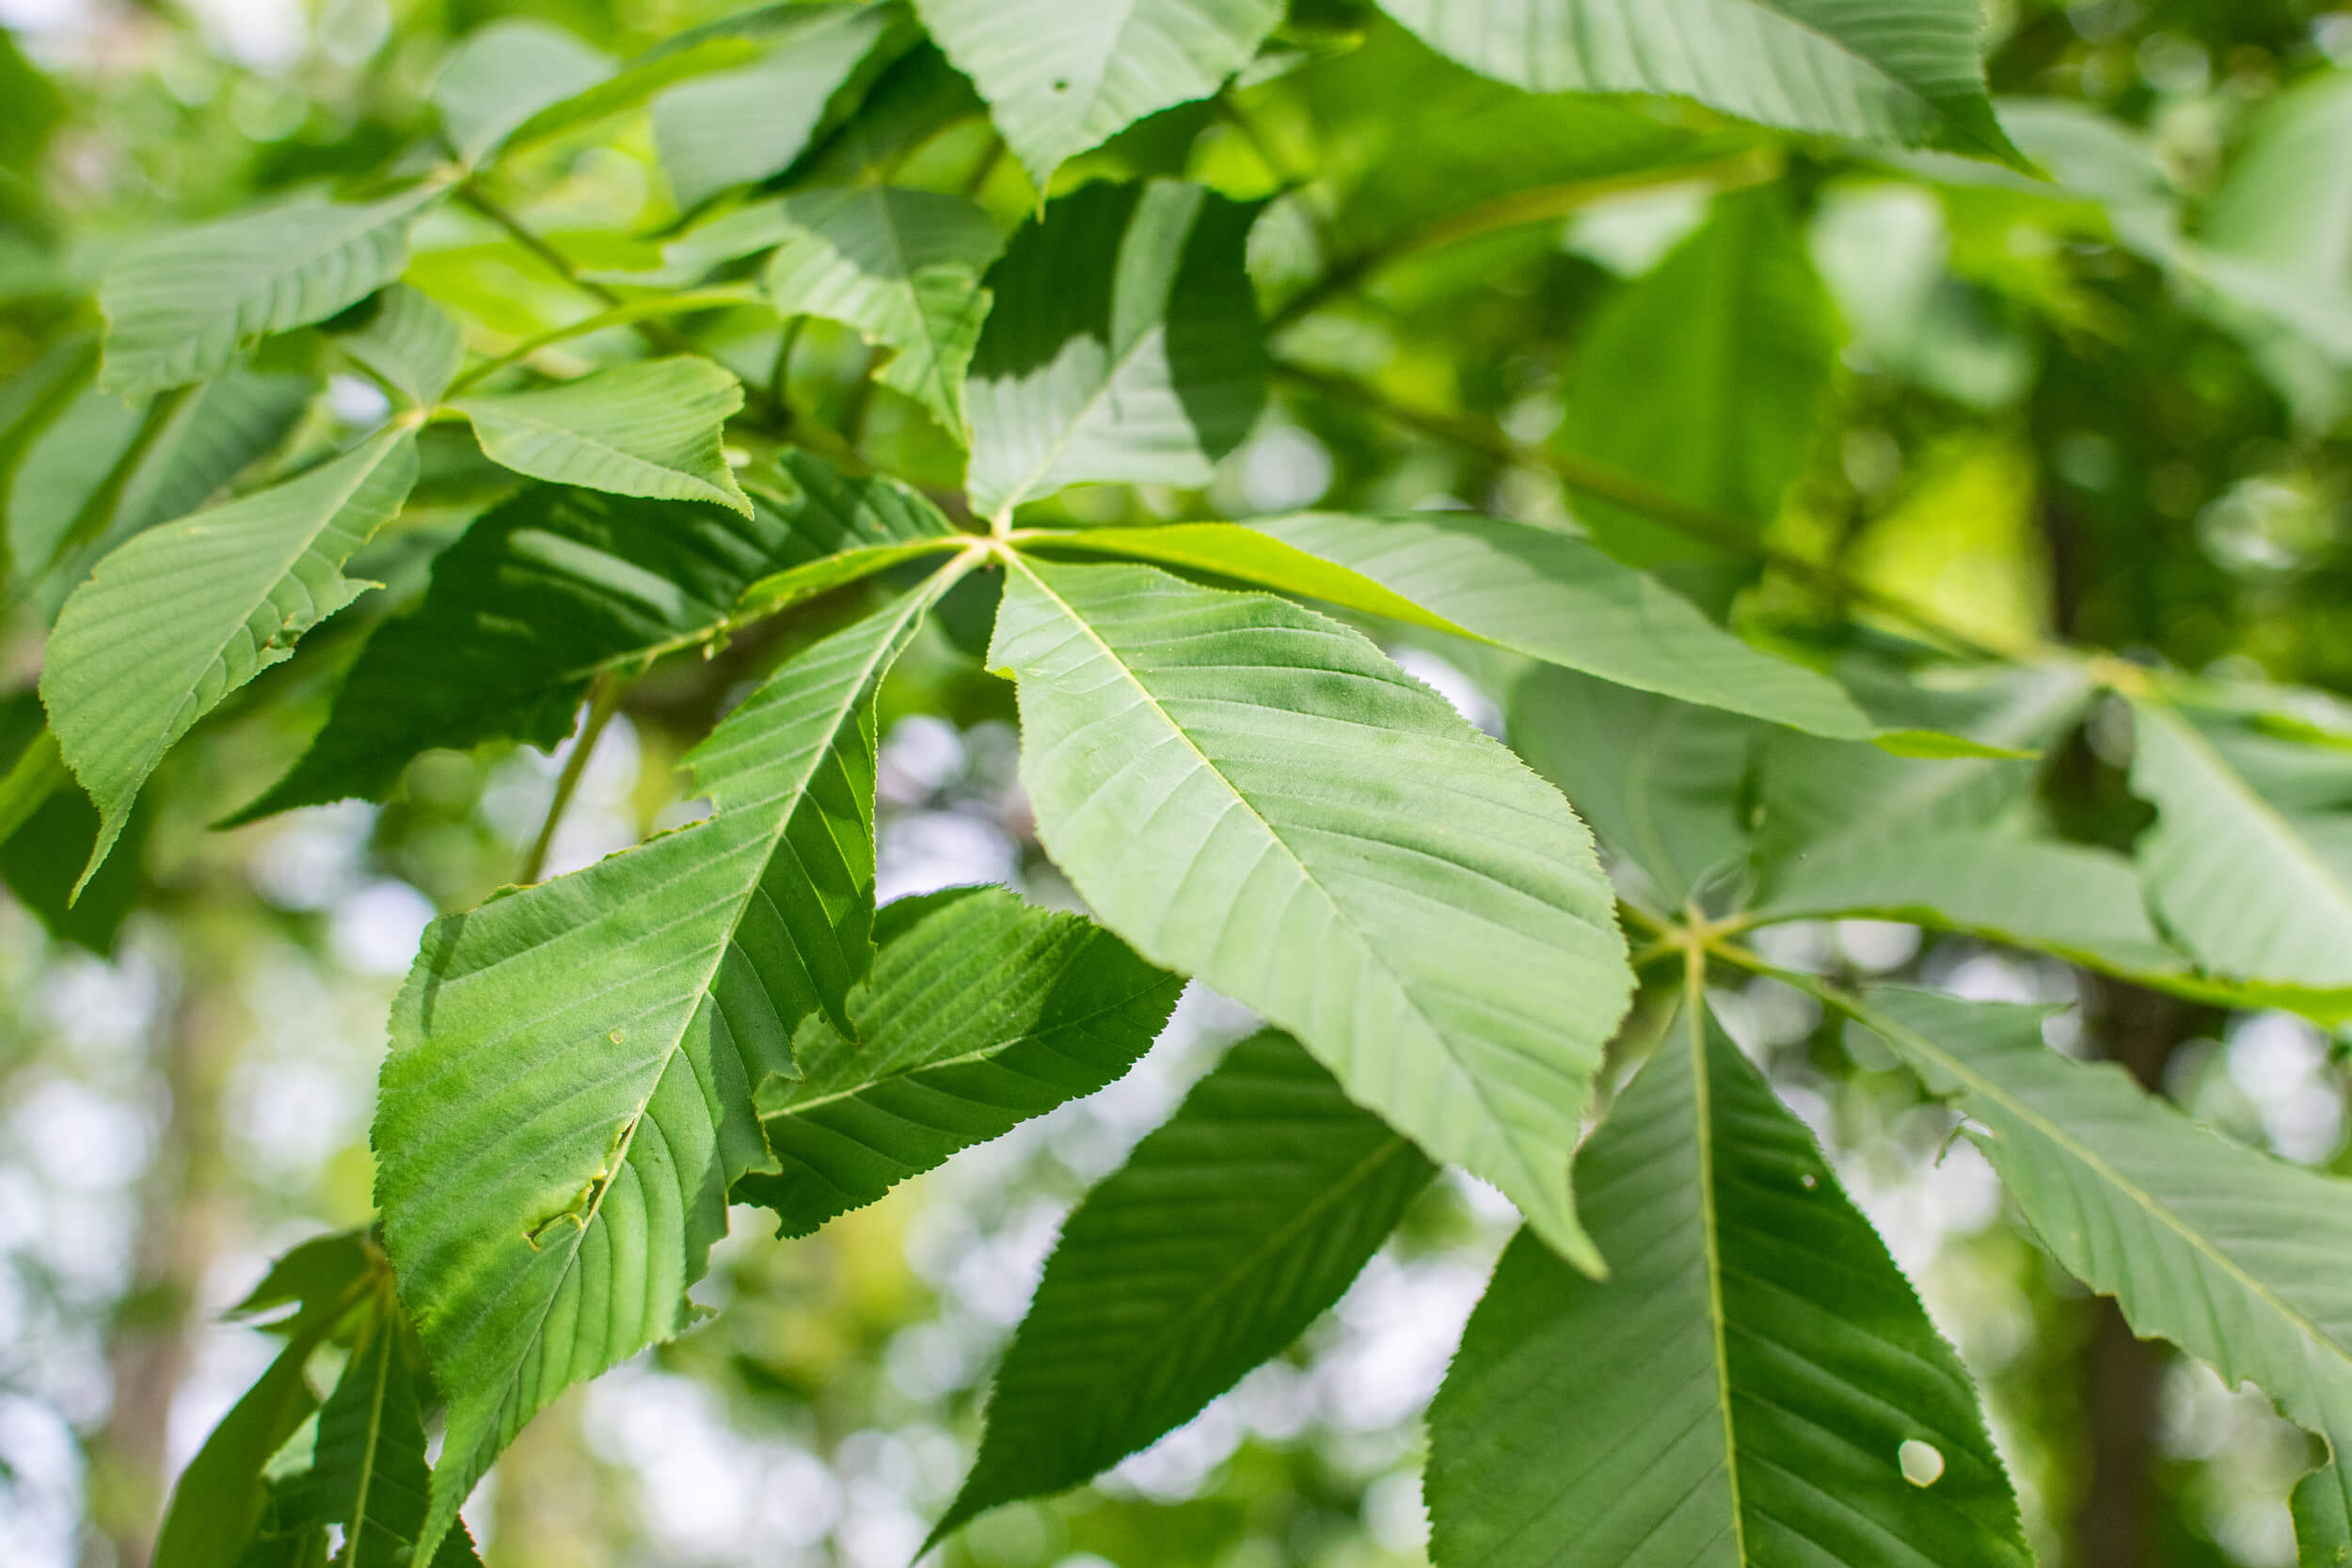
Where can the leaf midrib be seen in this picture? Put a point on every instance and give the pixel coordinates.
(1694, 1007)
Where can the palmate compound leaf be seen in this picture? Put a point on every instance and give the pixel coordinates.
(180, 306)
(1253, 794)
(649, 428)
(901, 266)
(1533, 589)
(2242, 1260)
(981, 1012)
(1123, 346)
(1062, 76)
(1906, 72)
(557, 585)
(2249, 863)
(1756, 1385)
(1228, 1231)
(568, 1096)
(184, 614)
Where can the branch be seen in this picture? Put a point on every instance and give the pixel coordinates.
(604, 700)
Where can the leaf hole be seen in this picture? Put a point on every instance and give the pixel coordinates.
(1922, 1463)
(1809, 1181)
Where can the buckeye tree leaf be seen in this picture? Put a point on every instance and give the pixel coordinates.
(2249, 862)
(1707, 378)
(2239, 1259)
(1906, 72)
(404, 341)
(1123, 345)
(180, 306)
(901, 266)
(1252, 793)
(1228, 1231)
(554, 1157)
(1060, 78)
(1533, 589)
(184, 614)
(556, 586)
(755, 119)
(649, 428)
(979, 1013)
(1757, 1384)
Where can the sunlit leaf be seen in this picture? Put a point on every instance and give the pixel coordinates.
(649, 428)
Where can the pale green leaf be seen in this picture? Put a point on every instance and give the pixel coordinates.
(555, 586)
(981, 1012)
(1906, 72)
(186, 613)
(1062, 77)
(180, 306)
(2249, 863)
(1252, 793)
(1665, 784)
(1707, 378)
(1228, 1231)
(568, 1096)
(1744, 1389)
(650, 429)
(1123, 345)
(503, 74)
(2242, 1260)
(901, 266)
(405, 342)
(2071, 899)
(1549, 595)
(747, 123)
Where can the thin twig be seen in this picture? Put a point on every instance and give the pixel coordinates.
(604, 700)
(627, 313)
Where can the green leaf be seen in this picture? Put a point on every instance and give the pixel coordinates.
(1534, 591)
(180, 306)
(1252, 793)
(1665, 784)
(503, 74)
(46, 831)
(105, 471)
(185, 614)
(1227, 1232)
(1905, 71)
(981, 1012)
(404, 341)
(30, 769)
(747, 123)
(1062, 77)
(2239, 1259)
(2071, 899)
(650, 429)
(556, 586)
(1123, 345)
(554, 1157)
(368, 1472)
(1707, 378)
(2249, 863)
(1747, 1389)
(220, 1496)
(901, 266)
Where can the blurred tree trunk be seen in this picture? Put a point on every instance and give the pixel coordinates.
(181, 1225)
(2115, 1523)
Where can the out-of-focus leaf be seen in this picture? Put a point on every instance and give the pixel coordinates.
(180, 306)
(1906, 72)
(650, 429)
(505, 72)
(1123, 345)
(1062, 76)
(406, 342)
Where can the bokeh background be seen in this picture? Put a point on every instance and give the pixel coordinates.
(2036, 430)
